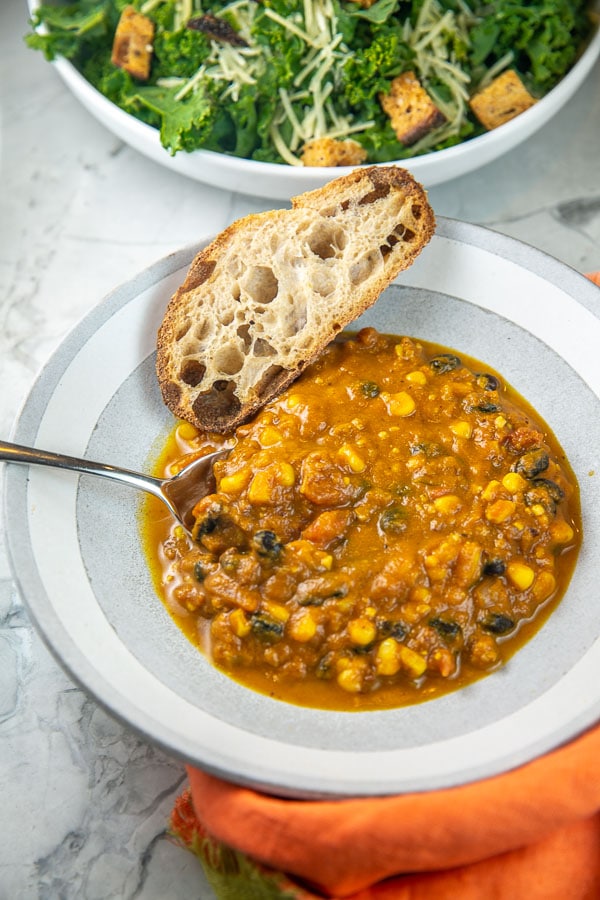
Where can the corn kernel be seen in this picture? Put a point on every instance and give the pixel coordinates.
(462, 429)
(562, 532)
(362, 631)
(490, 491)
(499, 421)
(326, 561)
(436, 569)
(236, 482)
(500, 510)
(417, 377)
(387, 658)
(285, 475)
(186, 431)
(537, 509)
(413, 662)
(350, 679)
(239, 623)
(348, 455)
(302, 627)
(276, 610)
(520, 575)
(293, 400)
(261, 488)
(414, 611)
(400, 351)
(514, 482)
(263, 484)
(420, 594)
(400, 404)
(269, 436)
(543, 586)
(447, 504)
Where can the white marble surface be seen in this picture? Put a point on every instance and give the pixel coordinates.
(84, 802)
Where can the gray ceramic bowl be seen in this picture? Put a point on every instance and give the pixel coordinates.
(75, 548)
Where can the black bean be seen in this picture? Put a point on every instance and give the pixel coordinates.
(199, 573)
(445, 362)
(487, 382)
(265, 628)
(266, 543)
(370, 389)
(389, 628)
(545, 492)
(445, 628)
(393, 520)
(324, 667)
(207, 525)
(531, 463)
(488, 407)
(430, 449)
(494, 567)
(497, 623)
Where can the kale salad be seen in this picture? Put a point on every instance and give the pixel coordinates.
(261, 79)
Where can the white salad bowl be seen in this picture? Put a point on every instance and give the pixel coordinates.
(280, 181)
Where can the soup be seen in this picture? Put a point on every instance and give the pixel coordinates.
(392, 527)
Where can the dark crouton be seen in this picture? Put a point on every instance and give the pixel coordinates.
(329, 152)
(411, 110)
(132, 45)
(503, 99)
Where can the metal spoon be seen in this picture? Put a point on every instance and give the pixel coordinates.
(179, 493)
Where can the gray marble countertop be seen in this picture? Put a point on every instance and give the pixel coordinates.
(84, 801)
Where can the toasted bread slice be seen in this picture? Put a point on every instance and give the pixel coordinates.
(271, 291)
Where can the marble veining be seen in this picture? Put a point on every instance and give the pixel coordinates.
(85, 802)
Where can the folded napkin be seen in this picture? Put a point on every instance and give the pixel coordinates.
(530, 834)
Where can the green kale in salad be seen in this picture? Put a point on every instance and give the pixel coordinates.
(306, 69)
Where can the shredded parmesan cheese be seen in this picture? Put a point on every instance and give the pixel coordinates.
(309, 111)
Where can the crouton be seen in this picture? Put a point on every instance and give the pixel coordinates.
(503, 99)
(329, 152)
(364, 3)
(132, 45)
(411, 110)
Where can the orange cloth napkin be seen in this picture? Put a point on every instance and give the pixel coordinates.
(532, 833)
(529, 834)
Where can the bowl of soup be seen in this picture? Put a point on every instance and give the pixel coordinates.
(423, 510)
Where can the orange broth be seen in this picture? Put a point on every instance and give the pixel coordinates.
(392, 527)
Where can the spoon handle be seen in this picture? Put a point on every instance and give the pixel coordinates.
(30, 456)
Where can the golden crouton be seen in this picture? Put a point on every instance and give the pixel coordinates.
(503, 99)
(329, 152)
(411, 110)
(132, 45)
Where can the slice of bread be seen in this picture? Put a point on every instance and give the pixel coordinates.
(271, 291)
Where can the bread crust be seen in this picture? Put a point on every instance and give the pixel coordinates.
(262, 300)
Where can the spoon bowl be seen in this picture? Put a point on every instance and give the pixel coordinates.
(179, 493)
